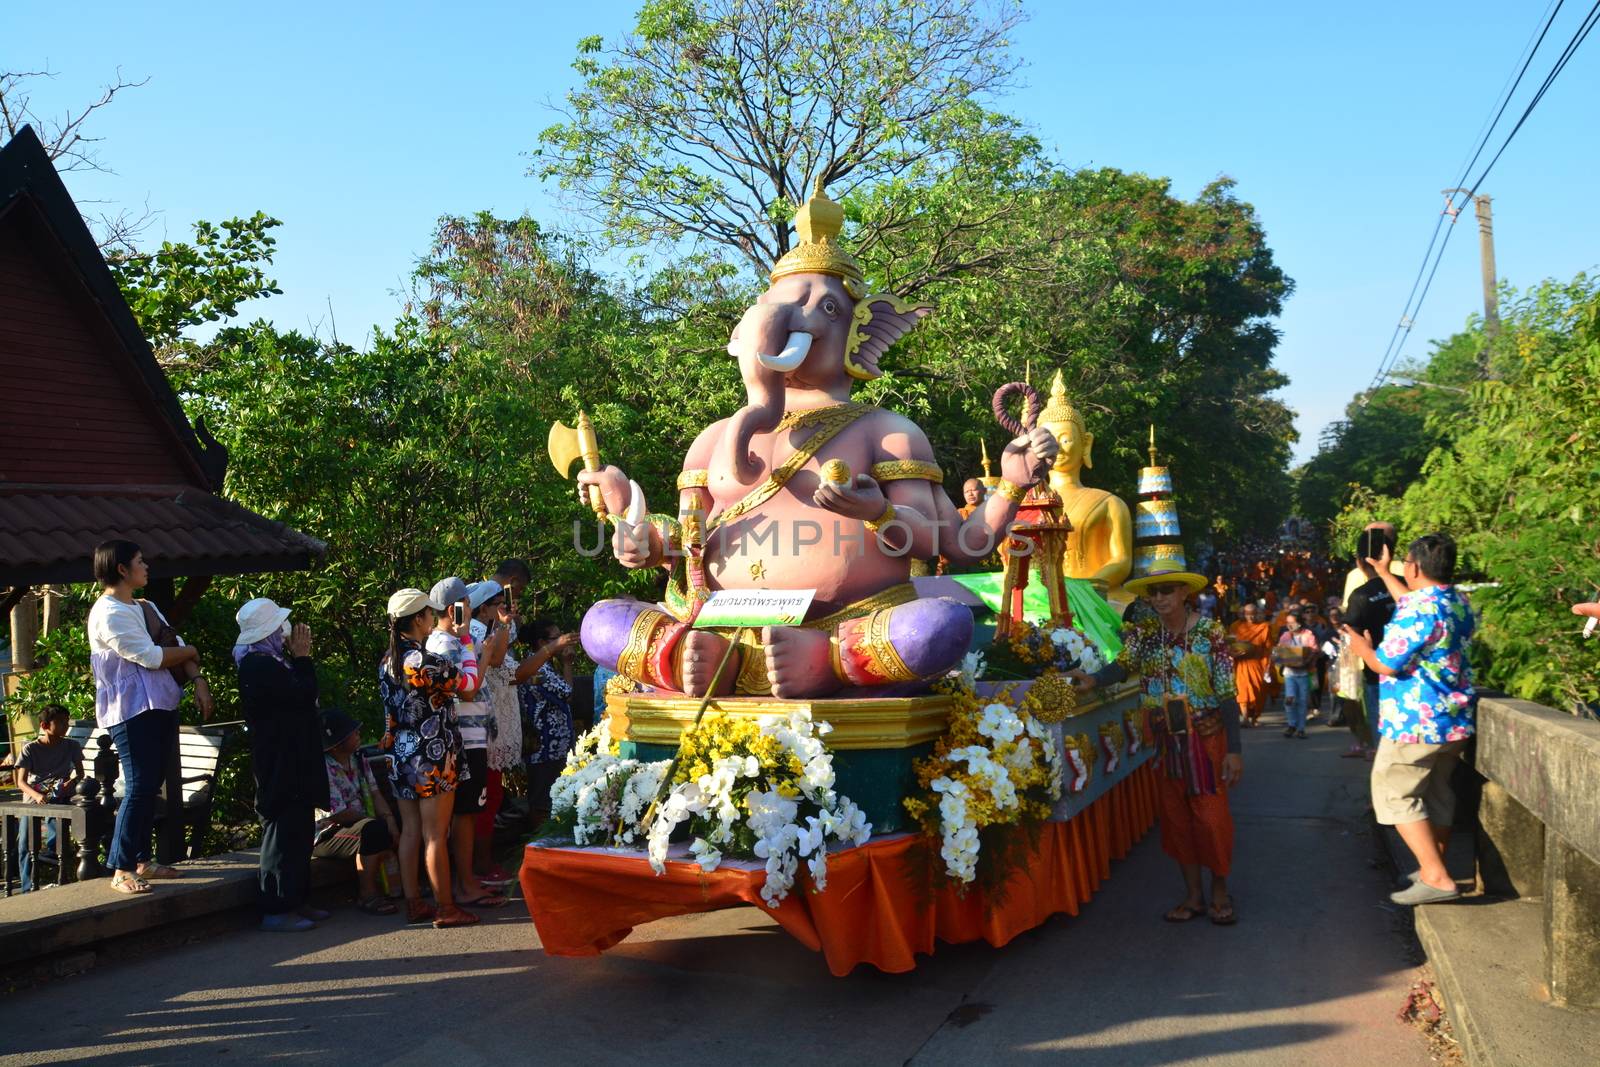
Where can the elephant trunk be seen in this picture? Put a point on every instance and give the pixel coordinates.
(767, 349)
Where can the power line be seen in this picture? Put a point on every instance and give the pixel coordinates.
(1408, 314)
(1505, 100)
(1404, 325)
(1578, 37)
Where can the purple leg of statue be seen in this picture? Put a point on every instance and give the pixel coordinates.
(931, 635)
(606, 627)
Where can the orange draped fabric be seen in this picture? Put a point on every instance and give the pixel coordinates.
(1250, 674)
(584, 902)
(1199, 829)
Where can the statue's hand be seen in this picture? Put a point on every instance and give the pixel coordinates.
(864, 500)
(613, 487)
(1028, 458)
(631, 545)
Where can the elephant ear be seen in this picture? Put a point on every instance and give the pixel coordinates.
(880, 320)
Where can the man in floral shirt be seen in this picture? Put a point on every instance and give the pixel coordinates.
(1428, 708)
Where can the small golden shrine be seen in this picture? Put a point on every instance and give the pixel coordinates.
(1039, 537)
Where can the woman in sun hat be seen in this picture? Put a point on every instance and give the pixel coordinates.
(1187, 676)
(418, 690)
(278, 693)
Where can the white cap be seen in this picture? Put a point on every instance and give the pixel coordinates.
(407, 602)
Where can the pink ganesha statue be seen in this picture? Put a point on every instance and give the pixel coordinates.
(766, 500)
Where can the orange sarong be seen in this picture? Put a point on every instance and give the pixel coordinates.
(1199, 829)
(1250, 673)
(583, 901)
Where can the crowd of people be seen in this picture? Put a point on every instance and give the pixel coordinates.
(471, 693)
(1382, 651)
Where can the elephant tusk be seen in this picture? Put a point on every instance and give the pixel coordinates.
(635, 513)
(793, 354)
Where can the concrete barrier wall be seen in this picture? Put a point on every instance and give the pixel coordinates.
(1539, 831)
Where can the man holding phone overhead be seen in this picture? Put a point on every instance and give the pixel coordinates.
(1370, 606)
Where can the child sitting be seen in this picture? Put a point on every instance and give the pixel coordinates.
(347, 830)
(47, 770)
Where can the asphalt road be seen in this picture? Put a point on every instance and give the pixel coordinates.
(1313, 974)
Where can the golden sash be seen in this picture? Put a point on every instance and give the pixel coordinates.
(830, 422)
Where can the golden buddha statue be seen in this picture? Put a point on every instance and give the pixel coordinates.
(1100, 546)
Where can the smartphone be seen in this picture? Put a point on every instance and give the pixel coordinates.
(1372, 544)
(458, 614)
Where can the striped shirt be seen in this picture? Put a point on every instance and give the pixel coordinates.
(472, 715)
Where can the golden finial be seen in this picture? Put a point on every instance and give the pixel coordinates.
(1059, 410)
(836, 472)
(818, 223)
(983, 446)
(1153, 461)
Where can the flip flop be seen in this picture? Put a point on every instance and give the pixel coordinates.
(159, 871)
(488, 900)
(1224, 915)
(1183, 913)
(129, 884)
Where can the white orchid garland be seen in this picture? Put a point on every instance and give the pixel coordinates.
(782, 809)
(980, 781)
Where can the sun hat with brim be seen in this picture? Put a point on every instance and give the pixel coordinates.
(258, 620)
(1163, 571)
(480, 593)
(447, 591)
(407, 602)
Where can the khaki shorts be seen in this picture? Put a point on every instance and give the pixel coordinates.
(1411, 782)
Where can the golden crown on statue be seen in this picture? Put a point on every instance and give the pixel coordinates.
(1059, 410)
(818, 223)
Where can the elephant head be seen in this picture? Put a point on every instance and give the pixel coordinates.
(806, 331)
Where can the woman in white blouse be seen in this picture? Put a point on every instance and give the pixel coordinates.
(136, 702)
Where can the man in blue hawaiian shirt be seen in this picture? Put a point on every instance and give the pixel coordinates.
(1428, 708)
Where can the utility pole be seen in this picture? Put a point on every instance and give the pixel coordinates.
(1491, 296)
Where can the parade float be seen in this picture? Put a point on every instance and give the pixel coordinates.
(801, 726)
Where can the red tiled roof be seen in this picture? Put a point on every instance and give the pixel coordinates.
(48, 532)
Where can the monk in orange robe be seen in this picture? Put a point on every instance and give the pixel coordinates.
(1250, 667)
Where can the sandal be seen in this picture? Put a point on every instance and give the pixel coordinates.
(129, 884)
(378, 905)
(1183, 913)
(419, 911)
(488, 900)
(159, 871)
(450, 915)
(1223, 914)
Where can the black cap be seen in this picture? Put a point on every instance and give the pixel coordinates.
(336, 726)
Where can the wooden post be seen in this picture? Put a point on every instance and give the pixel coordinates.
(51, 596)
(24, 635)
(24, 631)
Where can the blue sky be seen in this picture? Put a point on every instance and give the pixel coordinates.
(358, 125)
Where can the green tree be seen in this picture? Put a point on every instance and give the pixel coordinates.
(1516, 485)
(713, 117)
(1156, 309)
(182, 285)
